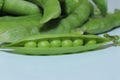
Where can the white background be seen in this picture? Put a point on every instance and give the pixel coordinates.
(96, 65)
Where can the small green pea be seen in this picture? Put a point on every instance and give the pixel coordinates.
(91, 42)
(31, 44)
(43, 44)
(67, 43)
(77, 42)
(55, 43)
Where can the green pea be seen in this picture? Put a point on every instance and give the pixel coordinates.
(78, 42)
(91, 42)
(31, 44)
(43, 44)
(55, 43)
(67, 43)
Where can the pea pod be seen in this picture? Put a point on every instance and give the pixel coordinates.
(51, 9)
(75, 19)
(19, 7)
(65, 44)
(100, 25)
(14, 28)
(102, 5)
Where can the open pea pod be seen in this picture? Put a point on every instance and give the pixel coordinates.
(58, 44)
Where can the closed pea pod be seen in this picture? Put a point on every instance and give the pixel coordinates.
(51, 9)
(75, 19)
(14, 28)
(100, 25)
(19, 7)
(18, 47)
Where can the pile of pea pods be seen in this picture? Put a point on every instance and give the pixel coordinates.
(56, 27)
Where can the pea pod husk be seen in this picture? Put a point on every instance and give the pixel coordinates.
(16, 47)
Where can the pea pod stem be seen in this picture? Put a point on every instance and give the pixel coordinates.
(114, 38)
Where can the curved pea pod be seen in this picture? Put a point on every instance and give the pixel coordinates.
(19, 48)
(14, 28)
(20, 7)
(102, 5)
(101, 25)
(51, 9)
(72, 21)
